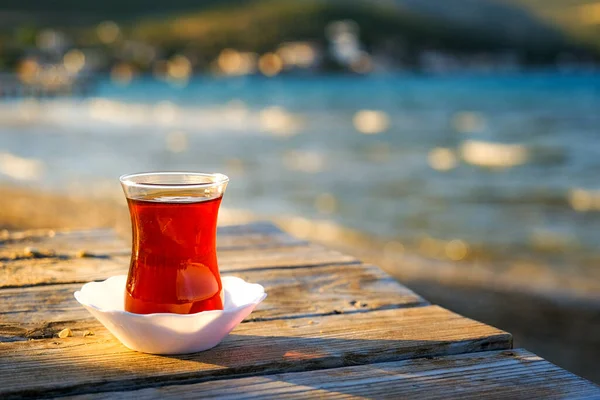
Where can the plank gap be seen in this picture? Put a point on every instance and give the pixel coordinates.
(337, 312)
(292, 267)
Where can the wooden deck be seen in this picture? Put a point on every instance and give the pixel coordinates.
(331, 327)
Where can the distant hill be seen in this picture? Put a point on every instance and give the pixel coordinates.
(578, 19)
(461, 25)
(537, 22)
(500, 20)
(81, 11)
(531, 26)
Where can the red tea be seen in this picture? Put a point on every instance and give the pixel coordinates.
(174, 262)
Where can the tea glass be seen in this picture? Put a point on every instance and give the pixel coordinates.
(173, 265)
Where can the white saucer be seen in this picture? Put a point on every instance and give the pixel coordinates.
(166, 333)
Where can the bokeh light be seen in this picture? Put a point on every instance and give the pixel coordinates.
(270, 64)
(74, 60)
(233, 62)
(21, 168)
(583, 200)
(297, 54)
(278, 122)
(442, 159)
(371, 122)
(28, 70)
(179, 68)
(108, 32)
(456, 250)
(493, 155)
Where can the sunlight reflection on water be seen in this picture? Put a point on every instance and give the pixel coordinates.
(451, 168)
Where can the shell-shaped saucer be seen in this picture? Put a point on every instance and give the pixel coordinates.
(166, 333)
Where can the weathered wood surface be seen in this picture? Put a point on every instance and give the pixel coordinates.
(508, 374)
(100, 363)
(49, 257)
(325, 311)
(54, 270)
(43, 311)
(104, 242)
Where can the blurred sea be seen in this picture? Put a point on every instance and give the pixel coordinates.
(492, 166)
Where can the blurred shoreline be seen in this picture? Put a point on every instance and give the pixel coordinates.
(558, 320)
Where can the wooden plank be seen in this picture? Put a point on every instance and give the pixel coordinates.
(338, 289)
(102, 241)
(99, 363)
(43, 311)
(516, 374)
(105, 242)
(55, 270)
(51, 270)
(233, 261)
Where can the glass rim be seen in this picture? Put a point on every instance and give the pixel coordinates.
(215, 179)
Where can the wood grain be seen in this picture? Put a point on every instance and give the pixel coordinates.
(100, 363)
(514, 374)
(105, 242)
(55, 270)
(43, 311)
(331, 327)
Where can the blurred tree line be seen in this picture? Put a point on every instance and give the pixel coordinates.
(400, 29)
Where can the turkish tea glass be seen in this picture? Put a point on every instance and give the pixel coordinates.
(173, 265)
